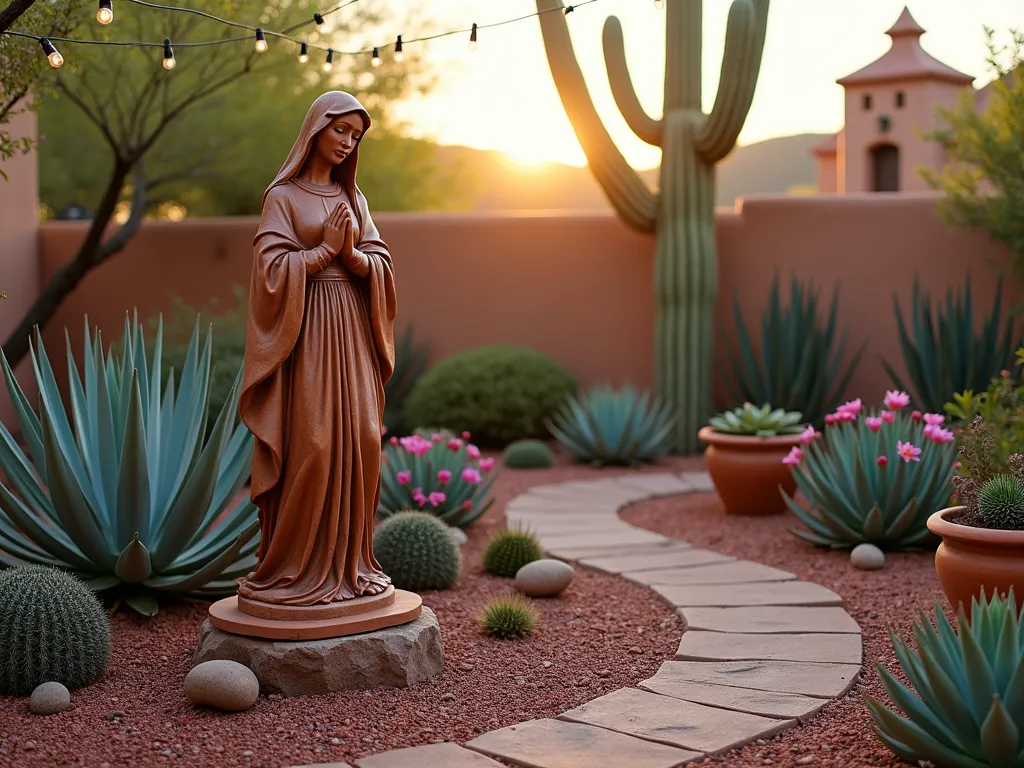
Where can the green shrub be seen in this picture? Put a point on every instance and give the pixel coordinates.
(508, 617)
(1001, 503)
(622, 427)
(498, 393)
(758, 422)
(509, 550)
(52, 629)
(798, 364)
(991, 498)
(528, 454)
(966, 709)
(415, 550)
(441, 474)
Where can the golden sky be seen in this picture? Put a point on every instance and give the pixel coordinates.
(501, 96)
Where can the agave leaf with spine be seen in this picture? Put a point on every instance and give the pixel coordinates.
(605, 426)
(964, 707)
(128, 492)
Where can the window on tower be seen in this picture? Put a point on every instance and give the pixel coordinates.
(867, 101)
(899, 98)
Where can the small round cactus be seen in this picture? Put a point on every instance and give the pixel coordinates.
(416, 551)
(528, 454)
(509, 550)
(508, 617)
(52, 629)
(1001, 503)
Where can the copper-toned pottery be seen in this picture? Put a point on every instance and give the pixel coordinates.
(747, 471)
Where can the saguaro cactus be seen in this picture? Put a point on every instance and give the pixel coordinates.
(682, 212)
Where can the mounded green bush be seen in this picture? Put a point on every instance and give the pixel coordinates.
(508, 617)
(528, 454)
(415, 550)
(499, 393)
(509, 550)
(52, 629)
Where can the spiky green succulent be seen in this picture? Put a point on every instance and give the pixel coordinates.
(128, 494)
(509, 550)
(607, 426)
(417, 552)
(508, 617)
(862, 491)
(1001, 503)
(964, 707)
(758, 421)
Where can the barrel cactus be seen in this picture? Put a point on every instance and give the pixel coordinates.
(52, 629)
(509, 550)
(528, 454)
(1001, 503)
(415, 550)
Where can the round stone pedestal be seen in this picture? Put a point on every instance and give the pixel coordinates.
(394, 657)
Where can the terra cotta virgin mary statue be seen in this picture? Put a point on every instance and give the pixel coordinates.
(319, 349)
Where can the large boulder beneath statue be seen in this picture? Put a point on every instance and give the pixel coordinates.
(394, 657)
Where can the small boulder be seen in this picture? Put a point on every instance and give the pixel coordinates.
(222, 684)
(867, 557)
(544, 578)
(49, 699)
(457, 535)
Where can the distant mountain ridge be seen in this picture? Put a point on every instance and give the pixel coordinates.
(774, 166)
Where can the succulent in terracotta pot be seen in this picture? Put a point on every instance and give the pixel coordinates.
(745, 453)
(982, 549)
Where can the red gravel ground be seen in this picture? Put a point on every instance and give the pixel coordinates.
(603, 634)
(840, 734)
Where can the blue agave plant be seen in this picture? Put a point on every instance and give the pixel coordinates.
(129, 493)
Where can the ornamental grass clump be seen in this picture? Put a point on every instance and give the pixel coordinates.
(990, 497)
(440, 474)
(873, 478)
(508, 617)
(964, 707)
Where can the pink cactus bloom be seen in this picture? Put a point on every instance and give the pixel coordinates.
(472, 451)
(929, 430)
(874, 423)
(793, 457)
(895, 399)
(847, 415)
(444, 476)
(486, 465)
(889, 417)
(808, 435)
(465, 434)
(436, 497)
(437, 437)
(417, 445)
(853, 406)
(383, 429)
(830, 419)
(467, 504)
(940, 435)
(916, 415)
(404, 477)
(471, 476)
(420, 499)
(881, 461)
(907, 452)
(393, 440)
(934, 419)
(956, 465)
(454, 444)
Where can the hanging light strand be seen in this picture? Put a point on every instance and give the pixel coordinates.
(106, 14)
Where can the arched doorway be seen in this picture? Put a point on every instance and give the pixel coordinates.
(885, 168)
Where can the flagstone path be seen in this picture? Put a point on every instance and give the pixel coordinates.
(760, 650)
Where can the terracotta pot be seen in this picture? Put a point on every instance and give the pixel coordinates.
(970, 558)
(747, 471)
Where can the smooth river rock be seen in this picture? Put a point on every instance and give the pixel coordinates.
(544, 578)
(49, 699)
(867, 557)
(222, 684)
(393, 657)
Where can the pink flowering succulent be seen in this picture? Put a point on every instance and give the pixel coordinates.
(437, 473)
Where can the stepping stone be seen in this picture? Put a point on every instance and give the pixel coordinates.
(540, 505)
(609, 487)
(760, 593)
(559, 744)
(765, 703)
(675, 722)
(558, 527)
(581, 553)
(822, 681)
(679, 558)
(445, 755)
(699, 482)
(664, 484)
(323, 765)
(771, 619)
(735, 572)
(585, 495)
(605, 539)
(721, 646)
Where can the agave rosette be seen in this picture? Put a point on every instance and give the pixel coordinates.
(129, 493)
(966, 709)
(607, 426)
(869, 480)
(758, 421)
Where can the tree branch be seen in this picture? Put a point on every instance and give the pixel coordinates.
(13, 12)
(94, 118)
(645, 127)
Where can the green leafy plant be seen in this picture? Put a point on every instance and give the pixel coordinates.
(606, 426)
(508, 617)
(499, 393)
(944, 355)
(415, 550)
(528, 454)
(754, 421)
(442, 474)
(410, 363)
(964, 707)
(991, 496)
(128, 494)
(868, 481)
(509, 550)
(52, 629)
(800, 361)
(1001, 503)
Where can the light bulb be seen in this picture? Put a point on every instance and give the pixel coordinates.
(52, 54)
(303, 54)
(169, 61)
(318, 19)
(328, 60)
(472, 39)
(399, 55)
(105, 13)
(659, 4)
(261, 41)
(376, 58)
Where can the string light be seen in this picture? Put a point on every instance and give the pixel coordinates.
(327, 62)
(303, 54)
(105, 13)
(472, 39)
(399, 56)
(52, 54)
(318, 19)
(261, 41)
(569, 9)
(376, 58)
(169, 61)
(659, 4)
